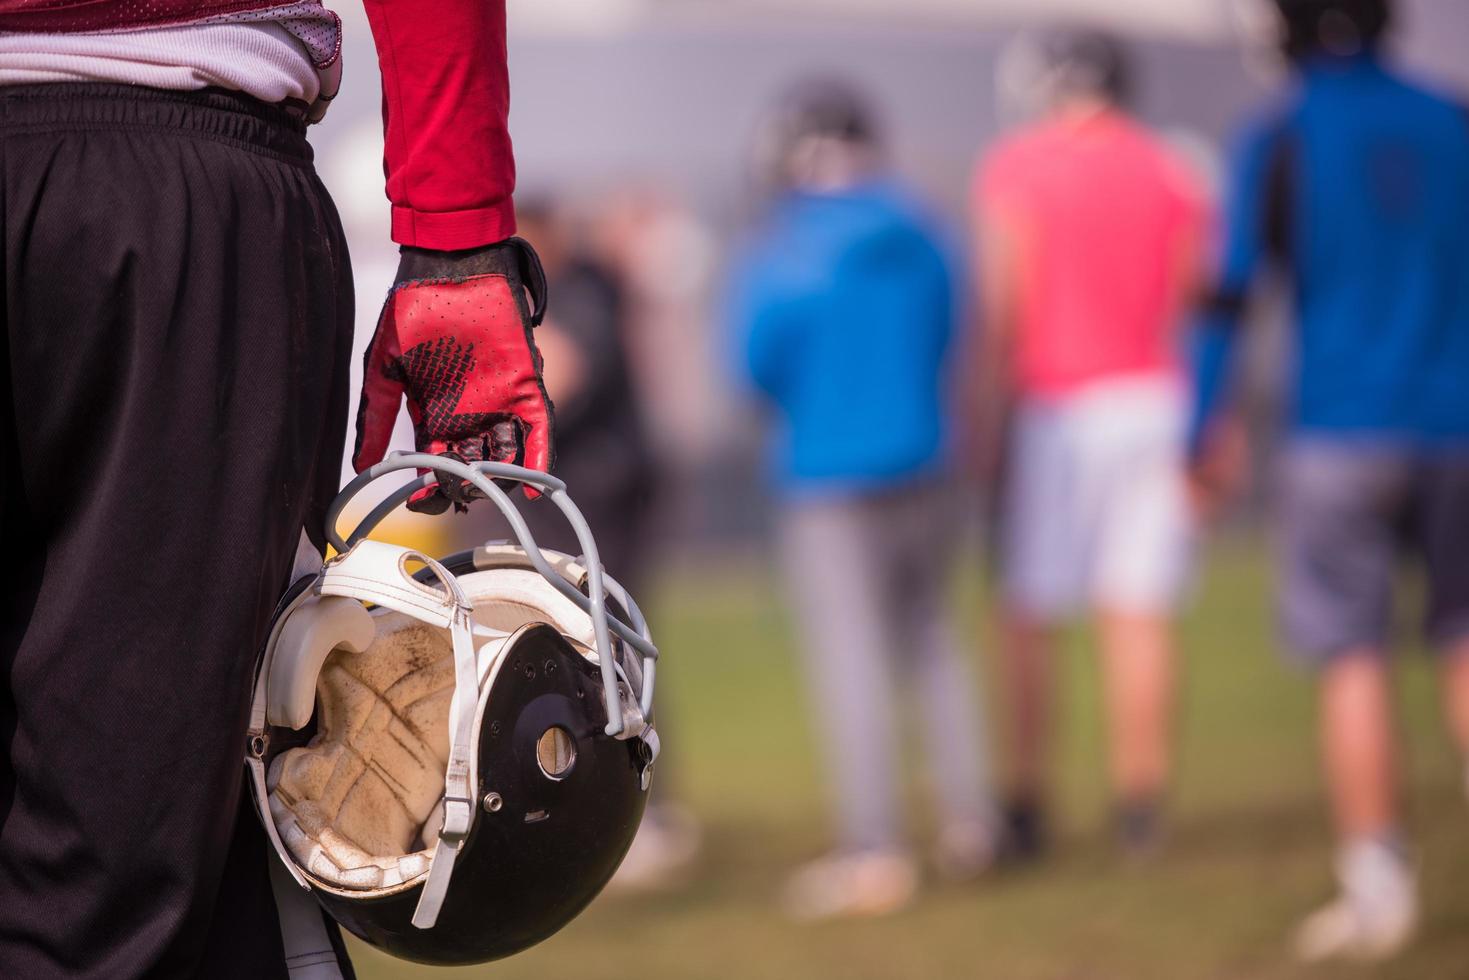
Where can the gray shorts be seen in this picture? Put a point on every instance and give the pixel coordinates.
(1349, 517)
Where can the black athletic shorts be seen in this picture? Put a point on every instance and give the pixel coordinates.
(178, 320)
(1350, 518)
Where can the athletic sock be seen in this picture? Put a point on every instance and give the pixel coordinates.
(1139, 823)
(1025, 835)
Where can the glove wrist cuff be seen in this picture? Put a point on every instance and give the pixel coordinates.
(514, 259)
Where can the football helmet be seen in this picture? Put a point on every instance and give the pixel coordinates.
(1038, 71)
(1338, 27)
(821, 131)
(453, 755)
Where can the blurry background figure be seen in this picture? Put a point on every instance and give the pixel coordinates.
(1089, 230)
(1354, 185)
(845, 305)
(666, 257)
(603, 454)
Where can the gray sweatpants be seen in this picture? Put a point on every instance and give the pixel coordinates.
(868, 575)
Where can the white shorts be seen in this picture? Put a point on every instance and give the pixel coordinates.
(1095, 511)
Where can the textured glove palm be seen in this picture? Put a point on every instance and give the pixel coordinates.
(455, 339)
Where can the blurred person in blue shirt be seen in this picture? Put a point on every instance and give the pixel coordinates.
(1355, 184)
(845, 306)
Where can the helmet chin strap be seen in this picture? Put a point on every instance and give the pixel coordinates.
(376, 572)
(458, 793)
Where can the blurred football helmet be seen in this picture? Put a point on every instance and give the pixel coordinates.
(1339, 27)
(1278, 32)
(1037, 71)
(453, 755)
(822, 132)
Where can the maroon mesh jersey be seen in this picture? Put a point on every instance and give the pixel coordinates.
(446, 97)
(100, 15)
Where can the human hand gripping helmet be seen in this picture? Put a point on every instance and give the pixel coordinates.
(453, 755)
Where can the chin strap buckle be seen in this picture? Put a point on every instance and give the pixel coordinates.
(458, 816)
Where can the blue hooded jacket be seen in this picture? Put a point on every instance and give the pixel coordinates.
(844, 306)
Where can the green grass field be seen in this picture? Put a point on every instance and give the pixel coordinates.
(1248, 853)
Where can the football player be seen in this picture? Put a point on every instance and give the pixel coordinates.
(177, 289)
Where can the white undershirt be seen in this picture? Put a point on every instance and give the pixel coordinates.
(261, 58)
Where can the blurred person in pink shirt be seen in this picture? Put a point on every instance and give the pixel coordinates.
(1090, 231)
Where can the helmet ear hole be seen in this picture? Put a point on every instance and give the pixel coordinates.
(555, 752)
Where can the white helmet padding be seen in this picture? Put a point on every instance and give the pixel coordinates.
(518, 595)
(322, 624)
(354, 805)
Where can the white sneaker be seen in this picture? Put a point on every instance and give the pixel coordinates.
(662, 854)
(867, 883)
(1376, 913)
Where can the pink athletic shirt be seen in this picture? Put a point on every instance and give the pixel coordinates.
(1103, 216)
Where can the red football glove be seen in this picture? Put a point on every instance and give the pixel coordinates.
(455, 338)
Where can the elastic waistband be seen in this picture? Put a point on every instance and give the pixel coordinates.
(212, 113)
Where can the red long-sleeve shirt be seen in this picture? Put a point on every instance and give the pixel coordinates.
(446, 103)
(446, 100)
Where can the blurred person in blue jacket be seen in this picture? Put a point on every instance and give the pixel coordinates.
(1355, 184)
(845, 305)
